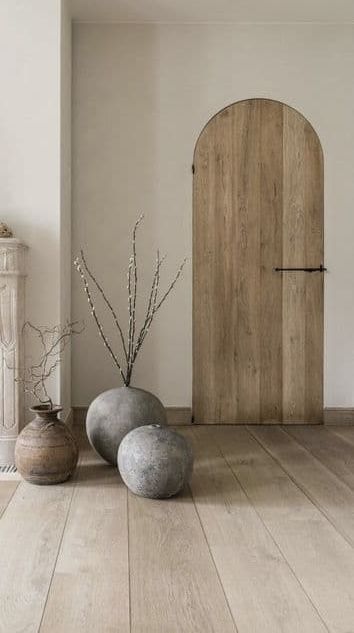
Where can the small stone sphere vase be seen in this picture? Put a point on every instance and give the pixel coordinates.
(46, 451)
(115, 413)
(155, 462)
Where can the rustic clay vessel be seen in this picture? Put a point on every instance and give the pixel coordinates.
(46, 451)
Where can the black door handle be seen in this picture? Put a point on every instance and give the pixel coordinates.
(321, 269)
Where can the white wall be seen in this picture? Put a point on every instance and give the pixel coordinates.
(30, 145)
(142, 94)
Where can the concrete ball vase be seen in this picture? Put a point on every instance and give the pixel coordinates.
(155, 462)
(115, 413)
(46, 451)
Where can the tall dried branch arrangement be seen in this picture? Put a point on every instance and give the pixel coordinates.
(131, 343)
(52, 342)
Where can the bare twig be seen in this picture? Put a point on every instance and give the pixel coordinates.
(106, 300)
(132, 306)
(152, 300)
(52, 343)
(95, 317)
(132, 346)
(130, 311)
(156, 307)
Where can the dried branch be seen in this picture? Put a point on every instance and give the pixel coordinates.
(106, 300)
(146, 327)
(152, 300)
(95, 317)
(52, 344)
(130, 311)
(131, 347)
(132, 305)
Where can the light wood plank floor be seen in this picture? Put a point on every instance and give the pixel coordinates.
(262, 541)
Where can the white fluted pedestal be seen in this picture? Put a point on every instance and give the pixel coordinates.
(12, 310)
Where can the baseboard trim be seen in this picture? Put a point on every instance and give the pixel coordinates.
(336, 416)
(176, 416)
(179, 416)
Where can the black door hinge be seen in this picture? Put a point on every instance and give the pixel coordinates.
(193, 169)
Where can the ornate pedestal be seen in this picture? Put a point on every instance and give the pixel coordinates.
(12, 303)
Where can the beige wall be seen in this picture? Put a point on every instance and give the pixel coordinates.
(142, 94)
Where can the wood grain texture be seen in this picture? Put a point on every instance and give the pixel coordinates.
(30, 534)
(345, 432)
(246, 266)
(261, 589)
(334, 498)
(7, 489)
(90, 586)
(322, 560)
(270, 549)
(257, 205)
(294, 283)
(271, 249)
(333, 451)
(174, 584)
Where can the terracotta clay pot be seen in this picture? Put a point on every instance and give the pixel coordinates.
(46, 451)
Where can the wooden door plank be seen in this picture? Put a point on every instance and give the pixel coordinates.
(247, 211)
(213, 266)
(314, 253)
(294, 283)
(222, 282)
(7, 489)
(334, 498)
(271, 247)
(203, 267)
(333, 451)
(322, 560)
(30, 533)
(173, 580)
(90, 587)
(261, 589)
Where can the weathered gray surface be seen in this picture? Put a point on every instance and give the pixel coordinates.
(116, 412)
(155, 462)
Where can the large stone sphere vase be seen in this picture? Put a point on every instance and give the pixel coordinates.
(155, 462)
(115, 413)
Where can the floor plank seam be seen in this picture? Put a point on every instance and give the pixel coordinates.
(9, 501)
(336, 431)
(212, 558)
(272, 537)
(129, 578)
(74, 484)
(333, 472)
(306, 492)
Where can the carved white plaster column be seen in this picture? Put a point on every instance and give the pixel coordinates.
(12, 309)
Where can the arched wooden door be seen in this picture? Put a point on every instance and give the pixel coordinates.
(258, 206)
